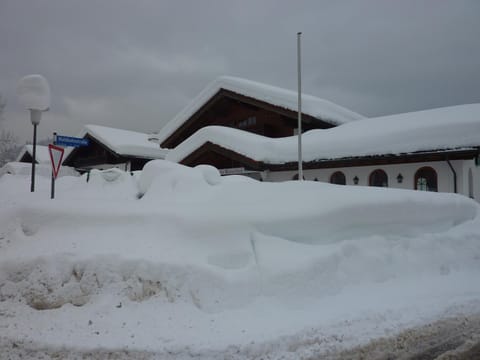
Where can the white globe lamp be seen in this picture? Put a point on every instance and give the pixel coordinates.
(34, 94)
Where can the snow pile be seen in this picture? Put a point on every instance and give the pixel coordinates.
(311, 105)
(171, 177)
(112, 183)
(430, 130)
(42, 169)
(34, 92)
(210, 267)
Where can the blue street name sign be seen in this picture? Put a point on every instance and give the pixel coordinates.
(71, 141)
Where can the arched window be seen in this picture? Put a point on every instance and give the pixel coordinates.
(378, 178)
(426, 179)
(338, 178)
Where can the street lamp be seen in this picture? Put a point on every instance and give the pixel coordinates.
(34, 94)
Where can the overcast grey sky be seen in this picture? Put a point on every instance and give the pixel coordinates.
(135, 64)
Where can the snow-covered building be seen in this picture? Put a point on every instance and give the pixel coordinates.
(41, 154)
(435, 150)
(22, 164)
(253, 107)
(111, 147)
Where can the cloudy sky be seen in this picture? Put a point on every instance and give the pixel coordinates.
(135, 64)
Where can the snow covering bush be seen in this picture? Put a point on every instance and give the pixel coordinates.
(210, 174)
(114, 183)
(109, 175)
(21, 168)
(161, 178)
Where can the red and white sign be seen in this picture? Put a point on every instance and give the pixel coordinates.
(56, 156)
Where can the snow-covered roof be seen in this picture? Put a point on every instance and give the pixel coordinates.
(125, 142)
(41, 153)
(429, 130)
(311, 105)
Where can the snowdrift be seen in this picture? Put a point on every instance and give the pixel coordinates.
(185, 259)
(42, 169)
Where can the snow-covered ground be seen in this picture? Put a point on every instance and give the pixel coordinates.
(183, 263)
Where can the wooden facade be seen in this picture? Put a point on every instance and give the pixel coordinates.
(230, 109)
(27, 158)
(96, 154)
(221, 158)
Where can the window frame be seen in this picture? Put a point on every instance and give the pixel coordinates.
(434, 177)
(372, 174)
(336, 173)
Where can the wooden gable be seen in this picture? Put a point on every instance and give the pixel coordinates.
(27, 158)
(94, 154)
(97, 153)
(219, 157)
(227, 108)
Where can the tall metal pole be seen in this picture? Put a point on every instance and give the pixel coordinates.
(35, 116)
(52, 184)
(300, 164)
(34, 156)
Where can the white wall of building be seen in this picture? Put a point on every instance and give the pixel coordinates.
(470, 179)
(445, 177)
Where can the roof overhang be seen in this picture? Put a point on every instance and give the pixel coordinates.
(386, 159)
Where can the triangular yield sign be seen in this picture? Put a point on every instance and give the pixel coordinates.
(56, 156)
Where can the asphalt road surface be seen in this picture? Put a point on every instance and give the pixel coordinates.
(456, 338)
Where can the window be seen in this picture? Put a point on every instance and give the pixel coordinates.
(378, 178)
(422, 184)
(249, 122)
(338, 178)
(426, 179)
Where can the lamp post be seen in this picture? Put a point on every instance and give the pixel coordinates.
(35, 116)
(34, 94)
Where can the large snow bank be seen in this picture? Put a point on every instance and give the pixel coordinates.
(210, 267)
(298, 213)
(171, 177)
(429, 130)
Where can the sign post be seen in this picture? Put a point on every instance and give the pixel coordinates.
(56, 153)
(56, 156)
